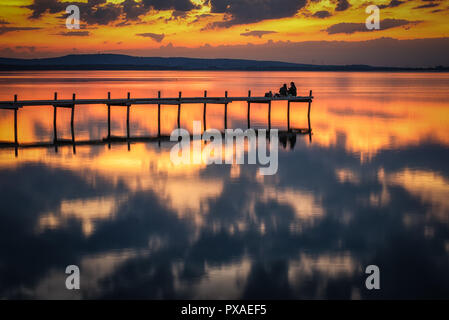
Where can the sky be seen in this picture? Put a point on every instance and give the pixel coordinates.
(412, 32)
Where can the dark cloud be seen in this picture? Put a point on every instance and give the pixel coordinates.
(133, 10)
(342, 5)
(4, 30)
(100, 12)
(92, 12)
(3, 21)
(74, 34)
(251, 11)
(156, 37)
(39, 7)
(322, 14)
(440, 10)
(28, 48)
(201, 16)
(428, 5)
(346, 27)
(256, 33)
(349, 28)
(178, 5)
(177, 15)
(392, 4)
(101, 15)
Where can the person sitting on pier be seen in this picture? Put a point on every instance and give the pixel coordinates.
(283, 90)
(292, 89)
(269, 94)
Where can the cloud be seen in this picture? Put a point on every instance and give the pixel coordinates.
(74, 34)
(322, 14)
(28, 48)
(251, 11)
(201, 17)
(101, 15)
(156, 37)
(39, 7)
(349, 28)
(101, 12)
(133, 10)
(256, 33)
(346, 27)
(179, 14)
(3, 21)
(4, 29)
(428, 5)
(440, 10)
(93, 12)
(178, 5)
(379, 52)
(342, 5)
(392, 4)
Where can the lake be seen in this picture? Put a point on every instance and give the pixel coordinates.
(369, 186)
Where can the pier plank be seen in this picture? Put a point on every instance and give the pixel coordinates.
(156, 101)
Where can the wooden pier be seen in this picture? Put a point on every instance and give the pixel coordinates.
(127, 102)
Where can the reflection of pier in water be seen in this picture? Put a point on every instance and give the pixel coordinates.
(284, 135)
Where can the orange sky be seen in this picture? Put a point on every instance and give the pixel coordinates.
(36, 28)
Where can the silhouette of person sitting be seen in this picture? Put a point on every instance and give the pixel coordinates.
(283, 90)
(292, 89)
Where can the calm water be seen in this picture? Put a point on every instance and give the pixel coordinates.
(370, 187)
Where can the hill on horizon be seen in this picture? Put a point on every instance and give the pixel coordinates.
(126, 62)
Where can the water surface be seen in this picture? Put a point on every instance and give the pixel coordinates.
(371, 186)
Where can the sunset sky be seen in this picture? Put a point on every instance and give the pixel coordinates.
(413, 32)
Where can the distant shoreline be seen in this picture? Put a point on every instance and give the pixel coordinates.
(114, 62)
(149, 68)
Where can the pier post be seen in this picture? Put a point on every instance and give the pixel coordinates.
(226, 111)
(308, 111)
(109, 120)
(55, 130)
(109, 116)
(128, 105)
(288, 115)
(159, 115)
(179, 110)
(73, 111)
(308, 116)
(204, 111)
(249, 107)
(72, 125)
(127, 121)
(269, 115)
(15, 122)
(55, 135)
(310, 103)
